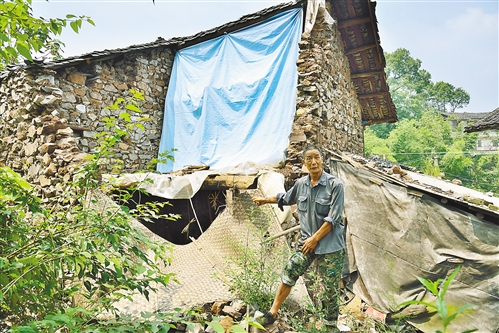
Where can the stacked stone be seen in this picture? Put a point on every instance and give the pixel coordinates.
(328, 111)
(48, 118)
(36, 143)
(88, 91)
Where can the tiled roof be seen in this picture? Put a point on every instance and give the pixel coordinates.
(490, 122)
(466, 116)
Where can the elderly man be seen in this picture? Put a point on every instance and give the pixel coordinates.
(319, 198)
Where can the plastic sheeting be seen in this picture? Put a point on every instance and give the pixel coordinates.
(232, 99)
(394, 236)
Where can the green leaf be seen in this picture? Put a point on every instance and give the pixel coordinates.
(146, 315)
(100, 257)
(11, 50)
(430, 285)
(4, 37)
(137, 94)
(237, 329)
(87, 285)
(74, 26)
(159, 327)
(448, 280)
(403, 304)
(4, 279)
(216, 326)
(141, 269)
(256, 324)
(24, 51)
(132, 108)
(125, 116)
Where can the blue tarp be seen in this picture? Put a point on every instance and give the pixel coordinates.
(232, 99)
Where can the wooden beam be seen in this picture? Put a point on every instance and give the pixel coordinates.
(226, 182)
(212, 182)
(374, 27)
(380, 121)
(376, 94)
(355, 21)
(360, 49)
(365, 74)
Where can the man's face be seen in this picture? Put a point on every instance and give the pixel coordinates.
(313, 161)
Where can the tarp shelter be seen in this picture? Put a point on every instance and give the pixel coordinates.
(397, 232)
(230, 96)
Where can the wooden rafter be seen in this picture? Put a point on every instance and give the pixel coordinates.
(360, 49)
(352, 22)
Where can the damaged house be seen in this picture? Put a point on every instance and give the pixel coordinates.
(246, 94)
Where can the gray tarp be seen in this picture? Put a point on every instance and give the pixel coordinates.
(394, 236)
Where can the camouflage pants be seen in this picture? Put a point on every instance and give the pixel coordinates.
(326, 281)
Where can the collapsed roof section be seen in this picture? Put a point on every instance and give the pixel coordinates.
(356, 22)
(481, 205)
(408, 225)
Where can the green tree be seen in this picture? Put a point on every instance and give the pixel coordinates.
(485, 173)
(413, 92)
(408, 83)
(446, 97)
(414, 142)
(456, 162)
(77, 247)
(22, 35)
(376, 146)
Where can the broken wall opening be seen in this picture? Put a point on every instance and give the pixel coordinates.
(207, 204)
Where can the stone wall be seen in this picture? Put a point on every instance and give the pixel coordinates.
(328, 112)
(48, 117)
(88, 90)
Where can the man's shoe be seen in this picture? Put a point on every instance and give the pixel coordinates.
(267, 319)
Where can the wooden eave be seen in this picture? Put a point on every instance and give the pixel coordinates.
(359, 30)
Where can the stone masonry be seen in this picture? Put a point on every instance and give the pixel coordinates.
(49, 116)
(328, 111)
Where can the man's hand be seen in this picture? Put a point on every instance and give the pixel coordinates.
(309, 245)
(259, 200)
(263, 200)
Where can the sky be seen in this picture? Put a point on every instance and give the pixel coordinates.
(456, 41)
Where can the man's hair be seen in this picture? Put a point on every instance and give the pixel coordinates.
(311, 147)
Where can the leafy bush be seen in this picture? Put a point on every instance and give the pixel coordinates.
(256, 272)
(77, 248)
